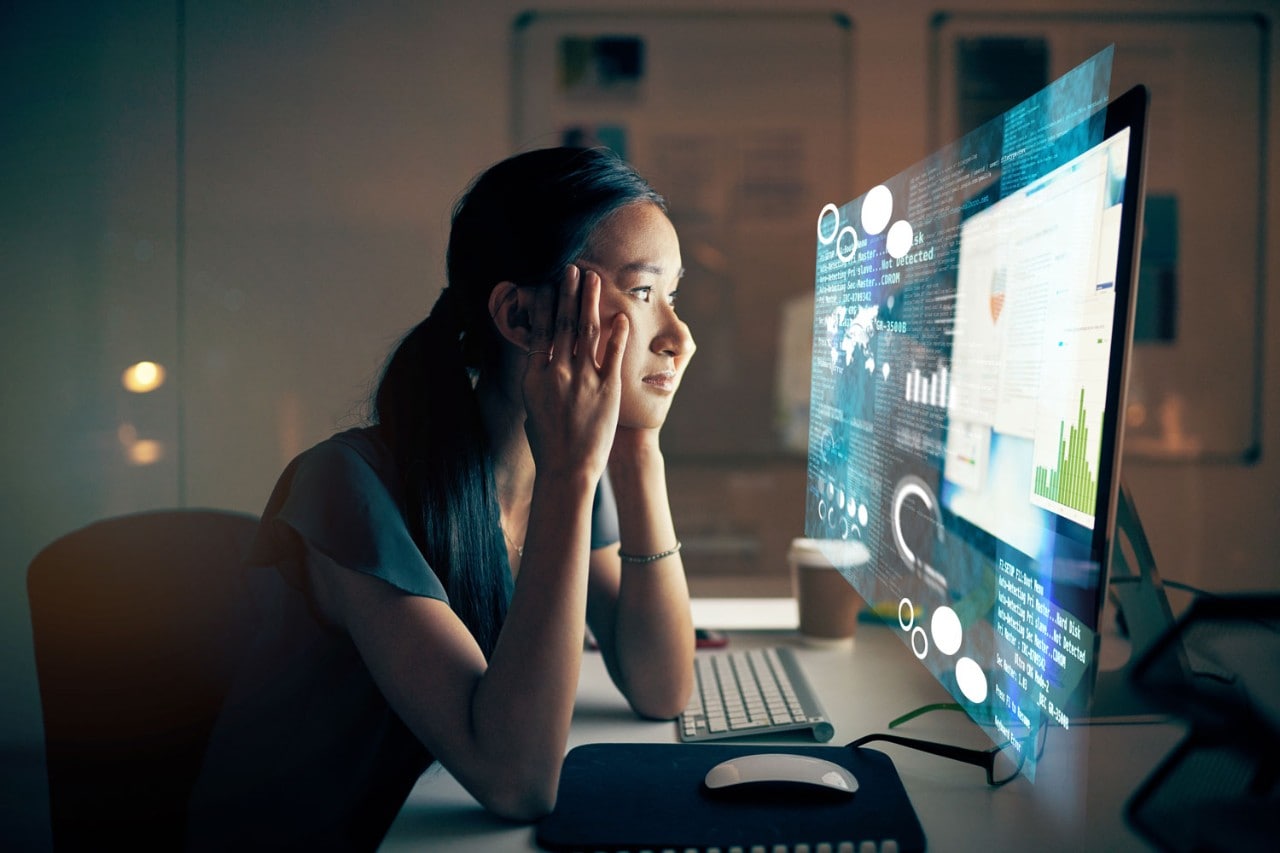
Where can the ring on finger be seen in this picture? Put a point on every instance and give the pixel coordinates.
(534, 352)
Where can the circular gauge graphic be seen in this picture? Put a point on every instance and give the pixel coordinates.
(917, 526)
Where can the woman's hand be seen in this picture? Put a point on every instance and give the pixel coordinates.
(572, 383)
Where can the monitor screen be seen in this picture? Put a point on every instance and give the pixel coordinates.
(971, 326)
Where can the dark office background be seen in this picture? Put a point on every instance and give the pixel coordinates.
(256, 196)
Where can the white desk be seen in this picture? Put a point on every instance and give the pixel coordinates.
(1077, 802)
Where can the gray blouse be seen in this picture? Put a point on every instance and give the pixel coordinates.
(306, 753)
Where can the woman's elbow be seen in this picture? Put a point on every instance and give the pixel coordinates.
(520, 803)
(664, 701)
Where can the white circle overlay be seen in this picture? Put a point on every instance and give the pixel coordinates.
(971, 680)
(844, 256)
(898, 241)
(910, 618)
(825, 239)
(877, 207)
(921, 648)
(946, 630)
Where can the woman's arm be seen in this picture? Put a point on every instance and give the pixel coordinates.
(499, 727)
(639, 612)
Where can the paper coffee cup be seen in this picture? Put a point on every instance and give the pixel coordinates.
(828, 604)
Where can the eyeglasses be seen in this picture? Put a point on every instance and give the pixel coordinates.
(1002, 763)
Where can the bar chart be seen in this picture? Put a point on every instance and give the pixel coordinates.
(1071, 481)
(927, 389)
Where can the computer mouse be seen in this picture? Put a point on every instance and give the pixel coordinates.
(781, 775)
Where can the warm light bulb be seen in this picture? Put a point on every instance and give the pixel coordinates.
(145, 451)
(143, 377)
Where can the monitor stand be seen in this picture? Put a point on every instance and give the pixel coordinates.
(1142, 610)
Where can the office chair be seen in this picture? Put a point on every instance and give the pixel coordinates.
(139, 622)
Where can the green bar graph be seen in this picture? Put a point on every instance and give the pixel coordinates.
(1073, 482)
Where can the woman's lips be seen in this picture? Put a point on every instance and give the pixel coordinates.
(664, 381)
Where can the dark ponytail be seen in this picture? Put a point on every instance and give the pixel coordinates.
(524, 220)
(431, 421)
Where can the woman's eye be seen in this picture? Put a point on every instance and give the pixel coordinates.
(671, 297)
(644, 294)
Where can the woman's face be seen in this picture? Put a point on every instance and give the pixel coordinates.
(637, 256)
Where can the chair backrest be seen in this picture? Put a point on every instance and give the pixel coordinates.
(139, 623)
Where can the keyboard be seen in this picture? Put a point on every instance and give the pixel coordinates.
(751, 692)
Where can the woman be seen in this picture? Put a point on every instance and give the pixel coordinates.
(435, 571)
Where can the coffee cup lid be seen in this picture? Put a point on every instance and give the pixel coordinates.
(843, 553)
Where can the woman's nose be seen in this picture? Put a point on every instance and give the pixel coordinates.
(674, 338)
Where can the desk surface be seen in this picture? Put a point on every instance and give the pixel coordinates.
(1077, 802)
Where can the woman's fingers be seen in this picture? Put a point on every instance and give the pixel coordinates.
(589, 318)
(542, 320)
(566, 326)
(614, 348)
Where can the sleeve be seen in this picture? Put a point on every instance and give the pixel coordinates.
(604, 516)
(331, 500)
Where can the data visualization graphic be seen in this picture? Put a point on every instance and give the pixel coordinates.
(928, 389)
(1069, 485)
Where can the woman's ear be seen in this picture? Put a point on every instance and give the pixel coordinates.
(510, 313)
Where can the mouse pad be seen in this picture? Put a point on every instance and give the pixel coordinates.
(629, 796)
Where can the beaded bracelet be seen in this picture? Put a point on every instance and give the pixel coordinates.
(648, 558)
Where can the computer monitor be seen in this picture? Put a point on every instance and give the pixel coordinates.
(972, 326)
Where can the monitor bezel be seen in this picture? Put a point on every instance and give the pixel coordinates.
(1128, 111)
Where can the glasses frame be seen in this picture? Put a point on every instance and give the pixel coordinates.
(984, 758)
(925, 709)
